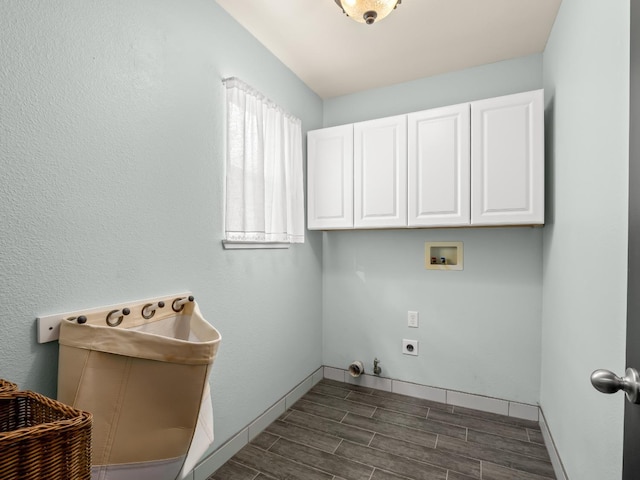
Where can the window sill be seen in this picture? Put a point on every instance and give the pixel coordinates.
(235, 245)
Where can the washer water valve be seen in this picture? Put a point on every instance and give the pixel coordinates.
(376, 367)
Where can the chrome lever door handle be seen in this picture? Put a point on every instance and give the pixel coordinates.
(608, 382)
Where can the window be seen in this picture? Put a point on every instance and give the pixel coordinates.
(264, 194)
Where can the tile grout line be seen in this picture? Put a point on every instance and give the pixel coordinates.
(400, 475)
(448, 397)
(539, 475)
(375, 433)
(519, 453)
(376, 408)
(337, 446)
(276, 441)
(296, 461)
(453, 411)
(467, 430)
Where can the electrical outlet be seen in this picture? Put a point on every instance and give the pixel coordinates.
(410, 347)
(412, 319)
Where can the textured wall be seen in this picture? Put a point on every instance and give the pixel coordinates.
(111, 188)
(586, 78)
(479, 328)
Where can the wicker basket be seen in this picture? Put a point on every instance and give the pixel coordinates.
(6, 386)
(41, 438)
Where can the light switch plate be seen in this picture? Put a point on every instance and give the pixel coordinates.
(412, 319)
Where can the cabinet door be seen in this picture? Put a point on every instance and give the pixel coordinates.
(507, 160)
(330, 178)
(439, 170)
(380, 173)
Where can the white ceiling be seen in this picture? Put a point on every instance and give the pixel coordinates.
(335, 55)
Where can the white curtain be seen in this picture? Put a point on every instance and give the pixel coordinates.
(264, 197)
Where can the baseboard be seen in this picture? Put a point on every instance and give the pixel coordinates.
(451, 397)
(558, 468)
(461, 399)
(218, 458)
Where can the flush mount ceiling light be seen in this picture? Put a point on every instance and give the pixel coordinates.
(367, 11)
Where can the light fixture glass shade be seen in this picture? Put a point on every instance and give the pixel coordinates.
(367, 11)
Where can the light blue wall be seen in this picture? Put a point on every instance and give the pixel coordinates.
(492, 80)
(586, 78)
(479, 328)
(111, 148)
(111, 188)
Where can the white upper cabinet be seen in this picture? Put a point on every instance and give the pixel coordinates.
(380, 173)
(330, 178)
(474, 164)
(507, 152)
(438, 165)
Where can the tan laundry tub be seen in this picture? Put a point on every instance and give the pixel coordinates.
(146, 382)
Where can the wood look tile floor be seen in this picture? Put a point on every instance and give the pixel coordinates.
(339, 431)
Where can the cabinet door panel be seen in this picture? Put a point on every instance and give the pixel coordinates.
(507, 158)
(330, 178)
(439, 171)
(380, 173)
